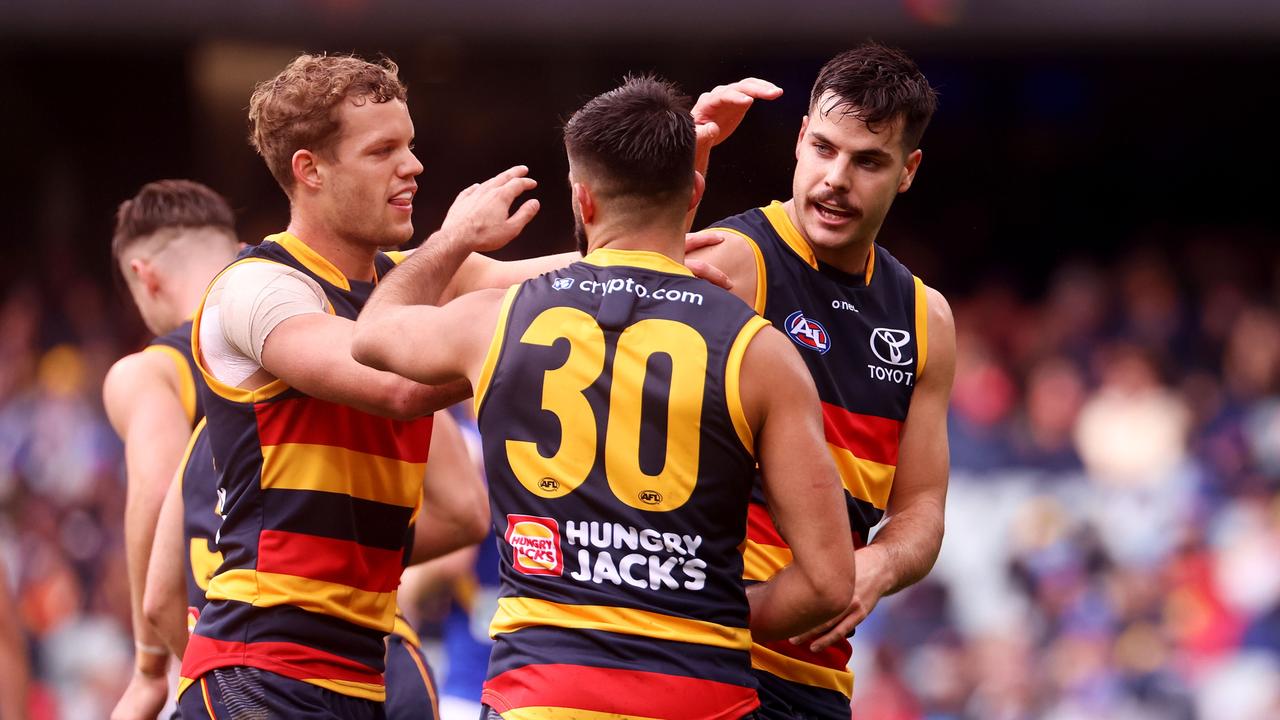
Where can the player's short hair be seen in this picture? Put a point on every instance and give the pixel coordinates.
(877, 84)
(636, 140)
(166, 204)
(297, 108)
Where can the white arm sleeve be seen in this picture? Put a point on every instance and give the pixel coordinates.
(242, 309)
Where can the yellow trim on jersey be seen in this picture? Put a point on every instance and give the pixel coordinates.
(186, 383)
(776, 213)
(314, 261)
(516, 613)
(495, 348)
(186, 453)
(922, 326)
(871, 265)
(549, 712)
(398, 256)
(733, 378)
(402, 628)
(797, 671)
(221, 389)
(762, 281)
(647, 259)
(326, 468)
(263, 589)
(351, 688)
(864, 479)
(183, 684)
(761, 562)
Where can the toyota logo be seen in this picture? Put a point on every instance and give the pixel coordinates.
(887, 344)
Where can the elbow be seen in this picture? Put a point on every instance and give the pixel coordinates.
(477, 526)
(832, 594)
(156, 607)
(364, 347)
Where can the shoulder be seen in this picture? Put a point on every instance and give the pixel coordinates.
(135, 375)
(941, 337)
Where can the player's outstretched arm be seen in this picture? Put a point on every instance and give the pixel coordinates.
(803, 491)
(144, 406)
(905, 548)
(164, 601)
(455, 505)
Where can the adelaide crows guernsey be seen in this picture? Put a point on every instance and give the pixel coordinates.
(863, 339)
(176, 344)
(318, 503)
(620, 465)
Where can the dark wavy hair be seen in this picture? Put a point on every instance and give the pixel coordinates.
(876, 84)
(169, 204)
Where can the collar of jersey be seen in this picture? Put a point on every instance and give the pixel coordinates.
(646, 259)
(314, 261)
(776, 213)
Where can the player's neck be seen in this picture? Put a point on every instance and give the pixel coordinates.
(353, 260)
(665, 241)
(851, 258)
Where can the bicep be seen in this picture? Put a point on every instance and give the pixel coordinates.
(148, 413)
(924, 454)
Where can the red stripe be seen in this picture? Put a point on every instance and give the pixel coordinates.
(330, 560)
(625, 692)
(319, 422)
(835, 657)
(289, 659)
(866, 436)
(760, 527)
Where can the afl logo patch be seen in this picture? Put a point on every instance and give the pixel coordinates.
(808, 333)
(564, 283)
(887, 344)
(650, 497)
(535, 545)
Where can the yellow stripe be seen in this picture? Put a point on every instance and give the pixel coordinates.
(186, 383)
(776, 214)
(314, 261)
(208, 703)
(495, 347)
(230, 392)
(186, 454)
(405, 630)
(262, 589)
(547, 712)
(338, 470)
(518, 613)
(871, 265)
(426, 679)
(922, 327)
(761, 562)
(351, 688)
(646, 259)
(397, 256)
(733, 377)
(762, 284)
(183, 684)
(864, 479)
(798, 671)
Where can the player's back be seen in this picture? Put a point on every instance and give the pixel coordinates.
(620, 466)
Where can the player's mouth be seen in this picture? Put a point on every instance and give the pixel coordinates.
(403, 200)
(831, 213)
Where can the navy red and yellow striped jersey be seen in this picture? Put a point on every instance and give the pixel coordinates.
(863, 339)
(620, 465)
(318, 503)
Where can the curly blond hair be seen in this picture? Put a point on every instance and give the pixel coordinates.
(297, 108)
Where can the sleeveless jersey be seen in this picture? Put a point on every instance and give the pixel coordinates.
(177, 345)
(863, 339)
(318, 503)
(619, 465)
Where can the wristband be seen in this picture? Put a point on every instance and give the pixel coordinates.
(151, 649)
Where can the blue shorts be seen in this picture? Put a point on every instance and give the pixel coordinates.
(246, 692)
(411, 688)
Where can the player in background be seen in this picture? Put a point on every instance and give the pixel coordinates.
(879, 344)
(622, 406)
(321, 459)
(169, 241)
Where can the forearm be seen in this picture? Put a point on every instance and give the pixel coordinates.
(142, 509)
(165, 599)
(788, 604)
(909, 544)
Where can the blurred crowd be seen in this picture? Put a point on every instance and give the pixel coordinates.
(1113, 530)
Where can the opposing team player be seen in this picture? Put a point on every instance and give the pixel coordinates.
(879, 344)
(321, 459)
(622, 405)
(170, 239)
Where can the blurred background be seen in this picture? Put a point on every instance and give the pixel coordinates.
(1097, 200)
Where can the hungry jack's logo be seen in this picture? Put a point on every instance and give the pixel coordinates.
(535, 545)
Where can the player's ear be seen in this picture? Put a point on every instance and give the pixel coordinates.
(306, 169)
(804, 125)
(145, 275)
(909, 170)
(586, 203)
(699, 187)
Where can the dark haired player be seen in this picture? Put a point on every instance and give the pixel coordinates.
(879, 344)
(170, 239)
(623, 405)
